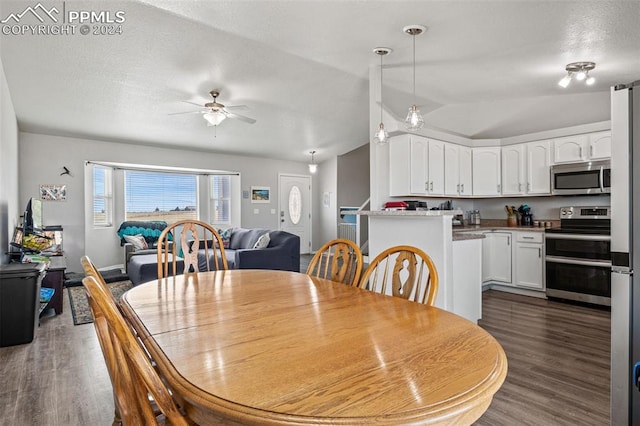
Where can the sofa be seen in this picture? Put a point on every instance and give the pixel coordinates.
(282, 253)
(147, 232)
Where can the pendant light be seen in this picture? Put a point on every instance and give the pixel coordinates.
(579, 71)
(313, 167)
(382, 136)
(414, 120)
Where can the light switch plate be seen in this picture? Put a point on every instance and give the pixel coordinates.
(273, 211)
(256, 211)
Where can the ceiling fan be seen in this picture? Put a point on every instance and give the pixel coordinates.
(215, 112)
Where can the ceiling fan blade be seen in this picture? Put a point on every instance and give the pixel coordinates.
(239, 117)
(186, 112)
(237, 107)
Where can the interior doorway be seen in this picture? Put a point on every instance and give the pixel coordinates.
(295, 207)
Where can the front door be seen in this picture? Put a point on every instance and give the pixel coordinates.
(295, 208)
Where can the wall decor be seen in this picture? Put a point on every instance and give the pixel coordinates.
(53, 192)
(260, 194)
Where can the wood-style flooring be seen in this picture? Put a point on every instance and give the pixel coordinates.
(558, 368)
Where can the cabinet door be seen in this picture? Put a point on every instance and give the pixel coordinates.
(451, 169)
(501, 257)
(496, 257)
(538, 167)
(418, 158)
(466, 181)
(600, 145)
(529, 265)
(398, 170)
(570, 149)
(513, 182)
(486, 171)
(436, 167)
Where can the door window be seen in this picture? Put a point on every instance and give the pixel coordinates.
(295, 204)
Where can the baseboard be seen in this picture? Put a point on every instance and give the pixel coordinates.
(515, 290)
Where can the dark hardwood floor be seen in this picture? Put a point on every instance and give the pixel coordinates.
(558, 368)
(559, 361)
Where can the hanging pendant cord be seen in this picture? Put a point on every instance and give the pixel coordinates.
(414, 69)
(381, 89)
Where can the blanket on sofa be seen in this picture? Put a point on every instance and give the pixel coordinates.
(150, 230)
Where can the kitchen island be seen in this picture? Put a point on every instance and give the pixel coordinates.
(460, 291)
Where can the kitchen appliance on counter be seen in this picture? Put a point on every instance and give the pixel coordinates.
(592, 177)
(578, 255)
(625, 254)
(395, 205)
(416, 205)
(474, 217)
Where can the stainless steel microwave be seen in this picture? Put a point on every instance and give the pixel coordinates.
(592, 177)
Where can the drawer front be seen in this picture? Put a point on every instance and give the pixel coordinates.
(530, 237)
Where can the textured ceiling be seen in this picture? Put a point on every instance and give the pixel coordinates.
(485, 69)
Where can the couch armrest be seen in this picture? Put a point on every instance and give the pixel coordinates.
(277, 258)
(130, 250)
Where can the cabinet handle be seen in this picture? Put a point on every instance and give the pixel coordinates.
(539, 252)
(462, 186)
(527, 238)
(508, 241)
(431, 188)
(528, 186)
(498, 188)
(519, 187)
(458, 190)
(426, 186)
(580, 152)
(591, 150)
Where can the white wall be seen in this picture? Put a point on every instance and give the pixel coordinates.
(41, 158)
(325, 218)
(10, 208)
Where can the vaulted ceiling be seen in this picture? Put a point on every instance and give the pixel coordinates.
(485, 69)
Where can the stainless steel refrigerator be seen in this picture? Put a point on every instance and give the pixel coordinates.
(625, 253)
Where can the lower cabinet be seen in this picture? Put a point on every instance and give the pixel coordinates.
(513, 259)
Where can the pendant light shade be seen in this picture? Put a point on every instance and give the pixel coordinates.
(313, 167)
(381, 135)
(414, 120)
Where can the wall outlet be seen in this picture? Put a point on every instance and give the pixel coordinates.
(256, 211)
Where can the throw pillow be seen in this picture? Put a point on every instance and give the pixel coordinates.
(138, 241)
(226, 236)
(262, 242)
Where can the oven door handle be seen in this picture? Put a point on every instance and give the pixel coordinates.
(582, 262)
(601, 175)
(579, 237)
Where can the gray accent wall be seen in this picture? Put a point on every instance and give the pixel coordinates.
(10, 209)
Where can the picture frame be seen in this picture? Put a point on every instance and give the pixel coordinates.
(260, 194)
(52, 192)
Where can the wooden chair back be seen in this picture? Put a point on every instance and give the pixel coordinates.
(196, 242)
(136, 370)
(338, 260)
(124, 395)
(409, 270)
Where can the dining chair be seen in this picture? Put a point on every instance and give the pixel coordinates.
(411, 271)
(338, 260)
(197, 243)
(142, 384)
(124, 396)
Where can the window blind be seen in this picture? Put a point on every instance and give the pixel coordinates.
(221, 199)
(102, 196)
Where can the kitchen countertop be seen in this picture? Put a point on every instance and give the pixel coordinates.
(463, 236)
(468, 228)
(424, 213)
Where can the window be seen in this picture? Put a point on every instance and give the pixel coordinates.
(102, 196)
(160, 196)
(221, 199)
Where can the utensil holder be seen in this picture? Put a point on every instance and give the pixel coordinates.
(512, 221)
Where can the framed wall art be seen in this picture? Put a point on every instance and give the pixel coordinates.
(53, 192)
(260, 194)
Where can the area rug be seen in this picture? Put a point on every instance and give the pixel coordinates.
(80, 305)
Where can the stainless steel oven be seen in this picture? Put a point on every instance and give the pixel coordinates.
(593, 177)
(578, 255)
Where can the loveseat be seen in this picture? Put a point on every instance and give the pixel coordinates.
(282, 253)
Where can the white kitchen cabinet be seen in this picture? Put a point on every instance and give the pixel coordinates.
(467, 279)
(513, 169)
(600, 145)
(408, 165)
(486, 171)
(529, 260)
(538, 167)
(457, 170)
(435, 169)
(497, 257)
(570, 149)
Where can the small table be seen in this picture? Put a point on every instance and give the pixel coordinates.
(279, 347)
(54, 279)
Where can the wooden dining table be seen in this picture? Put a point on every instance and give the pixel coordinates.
(278, 347)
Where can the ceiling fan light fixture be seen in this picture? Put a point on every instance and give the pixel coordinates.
(313, 167)
(214, 118)
(381, 136)
(414, 120)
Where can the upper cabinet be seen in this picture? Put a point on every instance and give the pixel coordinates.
(592, 146)
(513, 170)
(457, 170)
(486, 171)
(425, 158)
(538, 167)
